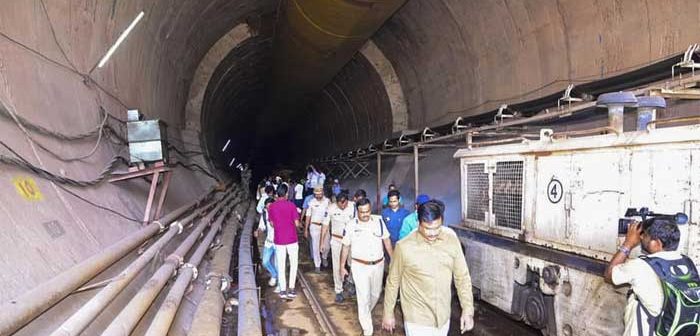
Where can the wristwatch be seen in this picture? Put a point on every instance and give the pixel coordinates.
(624, 250)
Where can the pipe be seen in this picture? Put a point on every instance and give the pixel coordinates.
(166, 313)
(88, 312)
(130, 315)
(646, 111)
(207, 318)
(20, 311)
(379, 182)
(249, 322)
(415, 169)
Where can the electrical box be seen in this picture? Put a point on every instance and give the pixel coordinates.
(147, 140)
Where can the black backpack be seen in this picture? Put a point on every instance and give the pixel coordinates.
(680, 313)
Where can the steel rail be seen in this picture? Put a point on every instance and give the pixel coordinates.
(323, 320)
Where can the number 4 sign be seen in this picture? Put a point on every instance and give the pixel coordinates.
(555, 191)
(27, 188)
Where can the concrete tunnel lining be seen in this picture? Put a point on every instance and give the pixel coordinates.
(467, 64)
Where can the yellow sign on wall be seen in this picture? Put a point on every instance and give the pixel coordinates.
(27, 188)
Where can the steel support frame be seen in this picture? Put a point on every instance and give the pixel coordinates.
(155, 172)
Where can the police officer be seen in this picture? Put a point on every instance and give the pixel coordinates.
(365, 239)
(318, 206)
(339, 215)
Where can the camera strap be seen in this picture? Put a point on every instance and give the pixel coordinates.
(651, 320)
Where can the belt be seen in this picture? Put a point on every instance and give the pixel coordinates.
(368, 262)
(316, 223)
(337, 236)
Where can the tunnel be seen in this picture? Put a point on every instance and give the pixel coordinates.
(265, 86)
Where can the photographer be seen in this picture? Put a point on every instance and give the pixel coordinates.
(659, 238)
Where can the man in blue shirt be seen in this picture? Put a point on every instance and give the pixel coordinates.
(410, 223)
(394, 215)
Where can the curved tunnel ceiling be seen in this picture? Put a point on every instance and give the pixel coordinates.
(452, 58)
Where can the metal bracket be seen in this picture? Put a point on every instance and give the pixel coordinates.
(687, 61)
(566, 97)
(427, 134)
(500, 115)
(459, 125)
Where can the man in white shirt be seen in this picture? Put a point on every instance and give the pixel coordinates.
(659, 239)
(365, 239)
(311, 178)
(318, 206)
(299, 194)
(268, 255)
(269, 191)
(339, 214)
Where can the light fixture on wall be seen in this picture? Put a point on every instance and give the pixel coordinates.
(119, 41)
(226, 145)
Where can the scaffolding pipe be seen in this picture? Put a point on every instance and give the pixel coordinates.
(166, 313)
(130, 315)
(88, 312)
(248, 304)
(20, 311)
(207, 318)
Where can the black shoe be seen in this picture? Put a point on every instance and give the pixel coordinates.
(339, 298)
(291, 293)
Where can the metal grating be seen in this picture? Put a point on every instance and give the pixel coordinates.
(477, 191)
(508, 194)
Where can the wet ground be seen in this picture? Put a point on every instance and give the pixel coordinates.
(296, 317)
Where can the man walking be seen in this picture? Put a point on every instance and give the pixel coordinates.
(268, 256)
(423, 266)
(318, 206)
(299, 194)
(269, 192)
(393, 215)
(410, 223)
(285, 218)
(365, 239)
(336, 220)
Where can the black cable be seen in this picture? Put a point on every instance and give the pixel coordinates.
(55, 38)
(186, 154)
(22, 163)
(102, 207)
(199, 168)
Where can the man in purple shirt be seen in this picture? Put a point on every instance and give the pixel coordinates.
(285, 219)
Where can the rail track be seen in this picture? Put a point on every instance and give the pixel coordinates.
(321, 316)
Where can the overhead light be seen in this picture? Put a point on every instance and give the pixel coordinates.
(232, 161)
(226, 145)
(121, 39)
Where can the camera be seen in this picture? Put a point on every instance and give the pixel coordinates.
(647, 218)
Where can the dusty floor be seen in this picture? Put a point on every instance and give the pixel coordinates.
(296, 317)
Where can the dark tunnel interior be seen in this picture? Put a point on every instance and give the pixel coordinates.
(253, 102)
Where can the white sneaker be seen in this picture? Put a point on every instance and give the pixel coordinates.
(272, 282)
(277, 290)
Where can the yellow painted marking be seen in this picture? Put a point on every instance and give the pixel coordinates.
(27, 188)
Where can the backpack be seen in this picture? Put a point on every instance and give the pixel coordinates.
(680, 313)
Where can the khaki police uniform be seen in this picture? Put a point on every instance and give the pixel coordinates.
(317, 211)
(337, 219)
(366, 243)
